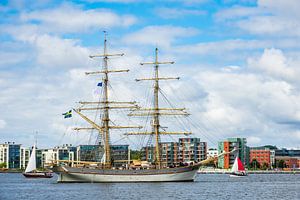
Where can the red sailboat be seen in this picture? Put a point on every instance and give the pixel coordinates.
(238, 168)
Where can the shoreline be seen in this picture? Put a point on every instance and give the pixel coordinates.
(219, 171)
(11, 171)
(249, 172)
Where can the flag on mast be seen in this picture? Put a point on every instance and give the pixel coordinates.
(67, 114)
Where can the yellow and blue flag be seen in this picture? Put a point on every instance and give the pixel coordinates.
(68, 114)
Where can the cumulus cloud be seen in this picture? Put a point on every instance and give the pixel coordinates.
(52, 85)
(114, 1)
(55, 69)
(287, 8)
(189, 2)
(270, 25)
(55, 52)
(296, 134)
(11, 58)
(248, 103)
(251, 92)
(159, 35)
(2, 123)
(253, 141)
(221, 47)
(173, 13)
(69, 18)
(268, 18)
(274, 63)
(237, 12)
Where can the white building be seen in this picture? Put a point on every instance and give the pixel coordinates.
(13, 155)
(272, 157)
(212, 153)
(57, 154)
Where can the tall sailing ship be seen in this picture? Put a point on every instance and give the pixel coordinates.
(105, 172)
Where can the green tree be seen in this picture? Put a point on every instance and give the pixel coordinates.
(280, 164)
(135, 155)
(3, 165)
(264, 166)
(254, 164)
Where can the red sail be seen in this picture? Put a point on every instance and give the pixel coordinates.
(240, 165)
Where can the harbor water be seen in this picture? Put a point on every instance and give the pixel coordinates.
(14, 186)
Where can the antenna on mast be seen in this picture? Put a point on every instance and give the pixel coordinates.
(35, 138)
(105, 34)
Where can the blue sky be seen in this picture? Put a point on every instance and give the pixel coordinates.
(238, 62)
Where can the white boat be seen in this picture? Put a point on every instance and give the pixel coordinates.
(87, 175)
(238, 169)
(31, 172)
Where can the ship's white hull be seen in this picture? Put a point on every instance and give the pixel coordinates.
(87, 177)
(94, 178)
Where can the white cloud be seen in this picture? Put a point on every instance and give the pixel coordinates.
(274, 63)
(237, 12)
(221, 47)
(270, 25)
(47, 50)
(2, 123)
(268, 18)
(54, 82)
(189, 2)
(236, 51)
(285, 8)
(46, 87)
(69, 18)
(297, 135)
(231, 68)
(115, 1)
(159, 35)
(252, 94)
(11, 58)
(173, 13)
(27, 4)
(253, 141)
(249, 100)
(55, 52)
(230, 51)
(247, 103)
(25, 33)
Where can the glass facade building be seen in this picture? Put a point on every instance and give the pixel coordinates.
(12, 155)
(174, 153)
(14, 158)
(91, 153)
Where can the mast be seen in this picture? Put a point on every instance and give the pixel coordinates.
(105, 119)
(156, 115)
(106, 105)
(156, 111)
